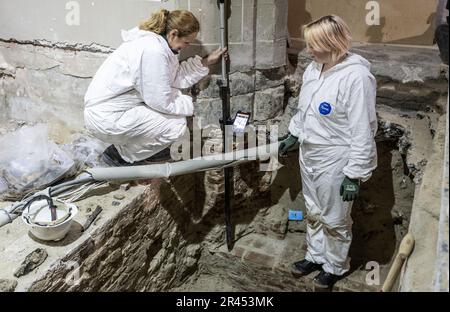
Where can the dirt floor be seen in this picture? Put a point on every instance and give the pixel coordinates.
(381, 219)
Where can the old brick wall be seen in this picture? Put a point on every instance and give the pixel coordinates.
(155, 242)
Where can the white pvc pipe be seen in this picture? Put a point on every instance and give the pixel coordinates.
(6, 216)
(212, 162)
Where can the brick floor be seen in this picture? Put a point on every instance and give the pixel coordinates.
(279, 254)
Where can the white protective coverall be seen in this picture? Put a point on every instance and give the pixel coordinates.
(134, 100)
(336, 125)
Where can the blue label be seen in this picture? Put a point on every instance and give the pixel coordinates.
(295, 215)
(325, 108)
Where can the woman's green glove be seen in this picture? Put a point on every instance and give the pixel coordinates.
(286, 144)
(349, 189)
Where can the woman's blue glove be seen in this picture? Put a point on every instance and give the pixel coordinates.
(349, 189)
(286, 143)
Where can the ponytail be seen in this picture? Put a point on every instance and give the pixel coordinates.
(157, 23)
(163, 21)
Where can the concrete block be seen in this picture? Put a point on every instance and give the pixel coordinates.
(269, 103)
(265, 30)
(400, 64)
(210, 110)
(241, 103)
(259, 258)
(243, 56)
(249, 21)
(409, 98)
(242, 83)
(270, 78)
(281, 20)
(404, 64)
(270, 54)
(208, 87)
(236, 21)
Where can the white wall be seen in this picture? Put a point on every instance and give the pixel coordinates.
(257, 27)
(80, 21)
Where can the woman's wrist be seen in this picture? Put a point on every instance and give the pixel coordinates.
(205, 61)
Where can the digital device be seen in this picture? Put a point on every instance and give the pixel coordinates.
(241, 121)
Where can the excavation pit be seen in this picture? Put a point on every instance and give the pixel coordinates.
(168, 234)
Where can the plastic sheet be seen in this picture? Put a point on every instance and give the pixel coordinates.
(30, 161)
(85, 151)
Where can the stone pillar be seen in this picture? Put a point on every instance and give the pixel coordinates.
(257, 31)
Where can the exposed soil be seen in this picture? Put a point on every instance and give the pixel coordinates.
(381, 219)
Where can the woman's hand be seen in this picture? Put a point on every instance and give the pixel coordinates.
(215, 56)
(286, 143)
(349, 189)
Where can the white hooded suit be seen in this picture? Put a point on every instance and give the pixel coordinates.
(336, 125)
(134, 100)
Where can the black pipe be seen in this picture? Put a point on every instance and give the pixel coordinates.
(224, 84)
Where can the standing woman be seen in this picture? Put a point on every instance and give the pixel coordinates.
(335, 125)
(134, 101)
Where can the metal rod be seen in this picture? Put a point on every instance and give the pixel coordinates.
(225, 95)
(223, 41)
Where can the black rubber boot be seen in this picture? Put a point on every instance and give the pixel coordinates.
(325, 280)
(304, 267)
(161, 157)
(112, 158)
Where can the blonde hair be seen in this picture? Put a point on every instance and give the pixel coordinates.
(328, 34)
(163, 21)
